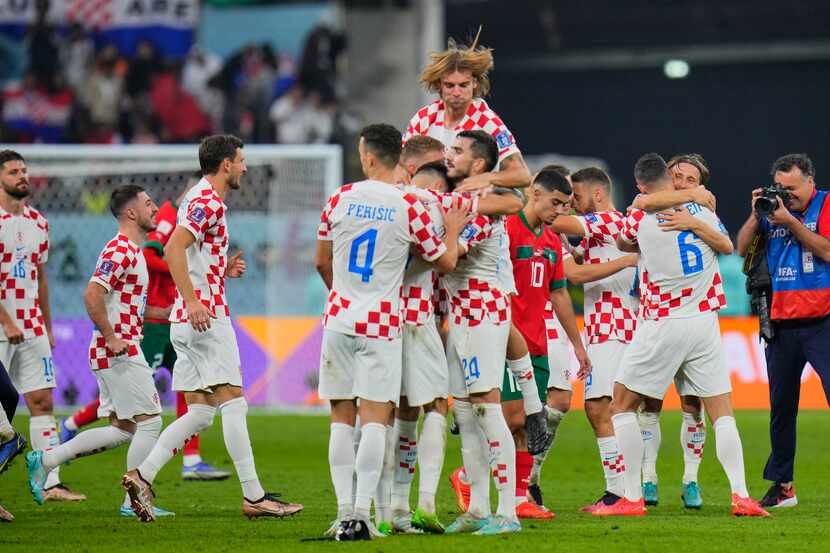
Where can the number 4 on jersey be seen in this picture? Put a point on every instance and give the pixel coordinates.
(365, 270)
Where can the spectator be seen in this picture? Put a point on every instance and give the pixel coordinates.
(180, 116)
(43, 47)
(102, 95)
(77, 56)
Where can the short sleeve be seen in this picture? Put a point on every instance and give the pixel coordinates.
(713, 220)
(824, 218)
(504, 139)
(112, 264)
(422, 231)
(324, 229)
(201, 215)
(631, 225)
(558, 279)
(603, 227)
(480, 228)
(43, 247)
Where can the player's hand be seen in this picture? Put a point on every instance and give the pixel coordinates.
(116, 345)
(474, 183)
(51, 338)
(584, 363)
(236, 266)
(703, 197)
(14, 334)
(198, 315)
(455, 218)
(676, 219)
(755, 195)
(781, 215)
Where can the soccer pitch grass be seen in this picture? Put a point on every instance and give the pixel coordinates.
(291, 454)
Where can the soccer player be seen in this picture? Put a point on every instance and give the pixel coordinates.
(416, 152)
(689, 178)
(115, 298)
(678, 339)
(156, 345)
(207, 356)
(11, 442)
(363, 243)
(26, 341)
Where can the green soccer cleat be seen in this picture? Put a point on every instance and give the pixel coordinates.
(691, 496)
(37, 475)
(385, 528)
(428, 522)
(466, 524)
(498, 524)
(650, 493)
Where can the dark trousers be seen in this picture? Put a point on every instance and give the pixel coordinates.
(794, 345)
(8, 393)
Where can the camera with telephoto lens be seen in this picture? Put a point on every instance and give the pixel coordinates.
(767, 202)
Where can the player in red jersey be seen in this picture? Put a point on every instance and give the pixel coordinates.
(156, 345)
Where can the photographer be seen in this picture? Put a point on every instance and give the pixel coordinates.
(794, 217)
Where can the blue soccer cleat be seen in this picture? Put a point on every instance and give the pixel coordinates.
(37, 475)
(204, 471)
(11, 449)
(691, 496)
(650, 493)
(497, 524)
(127, 511)
(466, 524)
(65, 433)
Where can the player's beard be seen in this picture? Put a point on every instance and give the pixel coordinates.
(16, 192)
(234, 183)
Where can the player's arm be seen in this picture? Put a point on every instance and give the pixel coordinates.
(97, 311)
(505, 202)
(670, 198)
(682, 220)
(454, 221)
(13, 333)
(323, 262)
(567, 224)
(627, 239)
(512, 173)
(564, 310)
(590, 272)
(175, 253)
(43, 299)
(625, 246)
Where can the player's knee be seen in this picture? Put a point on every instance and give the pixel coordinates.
(515, 421)
(597, 411)
(559, 400)
(692, 405)
(202, 415)
(651, 405)
(39, 402)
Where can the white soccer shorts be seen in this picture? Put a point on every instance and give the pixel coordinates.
(605, 359)
(127, 388)
(205, 359)
(560, 360)
(424, 374)
(29, 364)
(475, 357)
(688, 350)
(359, 367)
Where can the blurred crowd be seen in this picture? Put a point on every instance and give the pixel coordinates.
(75, 92)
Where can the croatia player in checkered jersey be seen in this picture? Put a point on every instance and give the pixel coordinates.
(26, 341)
(207, 367)
(678, 340)
(115, 299)
(364, 239)
(610, 308)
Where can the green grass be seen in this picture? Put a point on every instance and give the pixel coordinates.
(291, 456)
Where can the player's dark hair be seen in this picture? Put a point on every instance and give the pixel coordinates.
(593, 176)
(197, 175)
(9, 155)
(215, 149)
(384, 141)
(437, 169)
(123, 195)
(419, 145)
(484, 147)
(695, 160)
(561, 169)
(650, 168)
(552, 180)
(786, 163)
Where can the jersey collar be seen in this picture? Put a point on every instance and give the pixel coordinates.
(526, 224)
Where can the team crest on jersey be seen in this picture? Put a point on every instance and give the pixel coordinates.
(197, 215)
(504, 140)
(468, 233)
(105, 268)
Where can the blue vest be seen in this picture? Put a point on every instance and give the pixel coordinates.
(800, 279)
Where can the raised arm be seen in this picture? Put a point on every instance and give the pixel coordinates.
(670, 198)
(590, 272)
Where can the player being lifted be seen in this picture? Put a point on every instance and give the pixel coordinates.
(26, 341)
(689, 177)
(207, 365)
(678, 339)
(363, 242)
(115, 298)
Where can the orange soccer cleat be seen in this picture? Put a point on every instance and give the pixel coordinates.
(529, 510)
(621, 508)
(462, 490)
(746, 507)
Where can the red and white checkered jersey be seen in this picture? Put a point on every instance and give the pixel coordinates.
(372, 226)
(24, 245)
(681, 272)
(429, 121)
(122, 271)
(610, 308)
(474, 287)
(203, 214)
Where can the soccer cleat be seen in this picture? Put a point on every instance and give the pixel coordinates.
(535, 493)
(204, 471)
(607, 498)
(353, 530)
(37, 475)
(466, 524)
(428, 522)
(65, 433)
(385, 528)
(538, 439)
(746, 507)
(127, 512)
(529, 510)
(5, 516)
(498, 524)
(778, 496)
(141, 495)
(59, 492)
(462, 490)
(650, 493)
(402, 523)
(10, 449)
(269, 506)
(691, 496)
(621, 508)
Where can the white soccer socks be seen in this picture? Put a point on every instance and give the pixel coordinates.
(650, 429)
(474, 453)
(630, 442)
(554, 418)
(383, 494)
(43, 435)
(730, 454)
(341, 466)
(502, 455)
(613, 466)
(145, 438)
(198, 417)
(692, 440)
(433, 442)
(368, 465)
(404, 459)
(522, 370)
(238, 443)
(88, 442)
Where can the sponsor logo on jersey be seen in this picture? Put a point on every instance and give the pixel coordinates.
(504, 140)
(591, 218)
(787, 273)
(197, 215)
(468, 233)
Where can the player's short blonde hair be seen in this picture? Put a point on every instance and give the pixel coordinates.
(476, 59)
(419, 145)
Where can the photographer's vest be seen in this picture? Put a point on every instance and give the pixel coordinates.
(800, 279)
